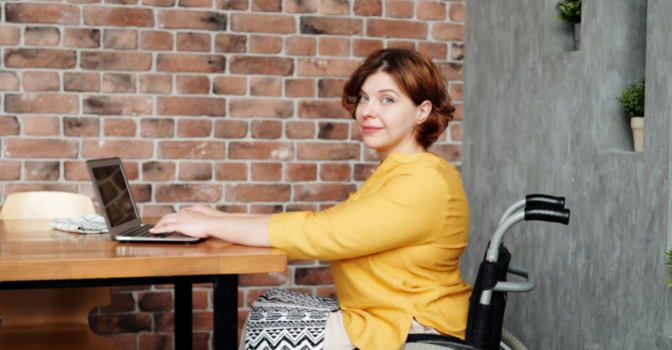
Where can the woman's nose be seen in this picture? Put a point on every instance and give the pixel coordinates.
(367, 111)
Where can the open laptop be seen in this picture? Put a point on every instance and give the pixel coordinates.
(118, 206)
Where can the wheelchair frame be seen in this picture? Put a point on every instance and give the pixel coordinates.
(536, 207)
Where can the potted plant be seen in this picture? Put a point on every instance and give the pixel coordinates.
(632, 101)
(570, 11)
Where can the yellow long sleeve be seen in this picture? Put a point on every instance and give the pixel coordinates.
(394, 249)
(402, 213)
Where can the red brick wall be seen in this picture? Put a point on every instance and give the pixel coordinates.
(229, 102)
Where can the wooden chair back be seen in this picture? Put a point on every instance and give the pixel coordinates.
(45, 205)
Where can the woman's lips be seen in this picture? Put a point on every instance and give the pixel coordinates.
(370, 129)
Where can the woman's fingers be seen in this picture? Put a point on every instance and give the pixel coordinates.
(162, 229)
(186, 222)
(171, 226)
(163, 222)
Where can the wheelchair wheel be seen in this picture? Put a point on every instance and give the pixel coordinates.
(509, 342)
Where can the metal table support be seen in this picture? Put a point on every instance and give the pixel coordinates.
(183, 316)
(225, 302)
(225, 299)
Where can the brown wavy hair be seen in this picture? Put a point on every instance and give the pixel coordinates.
(420, 80)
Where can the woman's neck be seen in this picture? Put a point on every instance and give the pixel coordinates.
(416, 149)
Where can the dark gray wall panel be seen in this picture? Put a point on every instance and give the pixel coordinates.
(546, 120)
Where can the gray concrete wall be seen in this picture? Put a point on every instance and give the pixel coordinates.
(542, 119)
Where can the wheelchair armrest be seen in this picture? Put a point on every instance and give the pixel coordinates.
(517, 287)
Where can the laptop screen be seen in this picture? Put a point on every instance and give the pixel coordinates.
(114, 195)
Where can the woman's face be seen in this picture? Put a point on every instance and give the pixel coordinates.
(386, 117)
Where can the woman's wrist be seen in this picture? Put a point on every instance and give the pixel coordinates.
(243, 229)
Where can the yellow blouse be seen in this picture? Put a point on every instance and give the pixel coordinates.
(394, 249)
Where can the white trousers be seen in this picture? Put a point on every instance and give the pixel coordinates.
(335, 337)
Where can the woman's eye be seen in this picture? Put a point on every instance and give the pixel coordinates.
(388, 100)
(363, 98)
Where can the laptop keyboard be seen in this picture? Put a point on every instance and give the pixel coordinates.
(143, 231)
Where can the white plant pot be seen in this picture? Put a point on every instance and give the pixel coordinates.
(637, 125)
(577, 35)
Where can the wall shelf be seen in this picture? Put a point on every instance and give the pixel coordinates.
(558, 35)
(623, 63)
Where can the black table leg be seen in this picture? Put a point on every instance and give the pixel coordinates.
(183, 316)
(225, 304)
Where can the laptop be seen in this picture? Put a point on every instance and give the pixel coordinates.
(118, 207)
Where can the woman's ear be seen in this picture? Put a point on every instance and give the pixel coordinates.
(424, 110)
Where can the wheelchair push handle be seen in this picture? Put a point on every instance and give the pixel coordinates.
(543, 200)
(512, 216)
(528, 214)
(548, 214)
(533, 200)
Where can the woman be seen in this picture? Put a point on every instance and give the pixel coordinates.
(394, 245)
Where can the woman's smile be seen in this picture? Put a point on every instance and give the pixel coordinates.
(370, 129)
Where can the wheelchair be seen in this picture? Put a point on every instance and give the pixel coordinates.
(488, 299)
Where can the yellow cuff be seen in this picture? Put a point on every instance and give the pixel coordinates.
(284, 231)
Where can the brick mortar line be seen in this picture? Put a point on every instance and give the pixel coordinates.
(185, 139)
(178, 118)
(211, 77)
(211, 138)
(230, 13)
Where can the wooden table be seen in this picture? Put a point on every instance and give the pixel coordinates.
(32, 255)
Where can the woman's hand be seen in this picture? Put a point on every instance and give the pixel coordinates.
(188, 222)
(205, 210)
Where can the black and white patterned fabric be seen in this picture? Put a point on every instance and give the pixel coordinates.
(287, 320)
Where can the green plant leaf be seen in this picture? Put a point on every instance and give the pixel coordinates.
(570, 11)
(632, 99)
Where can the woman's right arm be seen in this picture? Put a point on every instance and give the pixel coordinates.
(206, 210)
(410, 209)
(245, 229)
